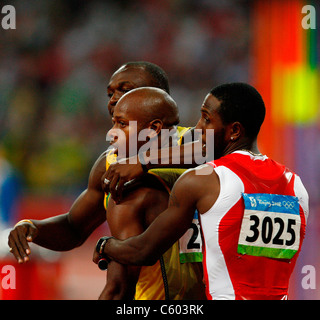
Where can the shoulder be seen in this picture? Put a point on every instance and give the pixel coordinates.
(100, 163)
(136, 210)
(140, 202)
(139, 193)
(197, 176)
(197, 187)
(147, 190)
(151, 181)
(97, 170)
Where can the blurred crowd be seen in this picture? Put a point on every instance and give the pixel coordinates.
(55, 66)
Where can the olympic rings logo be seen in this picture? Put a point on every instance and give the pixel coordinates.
(288, 204)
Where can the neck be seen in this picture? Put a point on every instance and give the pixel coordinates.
(243, 144)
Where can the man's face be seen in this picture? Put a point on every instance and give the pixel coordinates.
(211, 119)
(127, 123)
(124, 80)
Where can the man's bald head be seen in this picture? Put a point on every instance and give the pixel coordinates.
(148, 104)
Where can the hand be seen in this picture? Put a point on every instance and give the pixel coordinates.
(18, 239)
(96, 257)
(120, 173)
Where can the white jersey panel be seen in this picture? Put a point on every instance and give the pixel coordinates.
(231, 188)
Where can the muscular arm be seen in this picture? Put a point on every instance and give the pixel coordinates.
(188, 194)
(185, 156)
(65, 231)
(124, 221)
(118, 286)
(127, 219)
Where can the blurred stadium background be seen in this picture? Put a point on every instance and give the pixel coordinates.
(54, 69)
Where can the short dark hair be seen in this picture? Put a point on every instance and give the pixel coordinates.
(157, 73)
(243, 103)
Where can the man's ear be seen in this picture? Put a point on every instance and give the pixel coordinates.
(236, 131)
(156, 126)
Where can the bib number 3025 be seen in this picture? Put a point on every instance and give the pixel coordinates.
(270, 226)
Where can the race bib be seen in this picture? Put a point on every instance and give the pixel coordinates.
(270, 226)
(191, 243)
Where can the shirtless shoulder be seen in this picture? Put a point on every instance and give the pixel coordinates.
(97, 171)
(141, 202)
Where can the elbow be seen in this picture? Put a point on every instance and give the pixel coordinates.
(78, 243)
(76, 240)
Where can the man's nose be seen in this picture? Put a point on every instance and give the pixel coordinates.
(198, 126)
(115, 97)
(112, 134)
(113, 100)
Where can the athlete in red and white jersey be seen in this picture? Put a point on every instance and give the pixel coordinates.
(251, 248)
(253, 210)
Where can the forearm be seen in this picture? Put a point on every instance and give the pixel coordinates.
(185, 156)
(147, 247)
(57, 233)
(131, 251)
(121, 282)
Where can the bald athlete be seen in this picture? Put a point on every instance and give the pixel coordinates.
(152, 110)
(67, 231)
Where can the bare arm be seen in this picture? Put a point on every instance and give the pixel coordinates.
(65, 231)
(127, 219)
(185, 156)
(187, 195)
(121, 282)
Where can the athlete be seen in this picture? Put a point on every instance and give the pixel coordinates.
(67, 231)
(130, 76)
(149, 110)
(253, 210)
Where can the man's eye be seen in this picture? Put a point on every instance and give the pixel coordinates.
(125, 90)
(205, 118)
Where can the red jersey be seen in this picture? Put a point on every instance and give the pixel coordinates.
(254, 231)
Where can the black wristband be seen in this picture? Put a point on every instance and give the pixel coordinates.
(142, 162)
(101, 244)
(103, 264)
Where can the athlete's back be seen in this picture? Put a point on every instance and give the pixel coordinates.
(254, 231)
